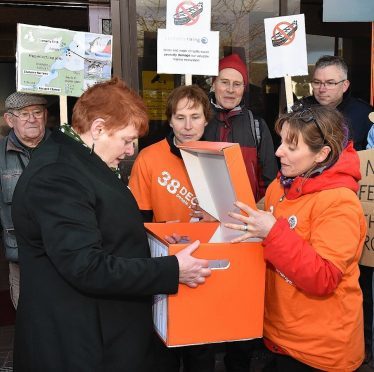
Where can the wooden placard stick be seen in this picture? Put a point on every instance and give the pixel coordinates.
(289, 93)
(63, 109)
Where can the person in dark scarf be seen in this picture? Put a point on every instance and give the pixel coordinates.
(233, 122)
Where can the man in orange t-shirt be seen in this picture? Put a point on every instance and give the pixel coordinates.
(163, 191)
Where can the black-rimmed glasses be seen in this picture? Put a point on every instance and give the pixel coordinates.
(327, 84)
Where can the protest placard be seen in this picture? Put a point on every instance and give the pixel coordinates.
(286, 46)
(286, 49)
(187, 46)
(194, 52)
(61, 62)
(366, 196)
(188, 15)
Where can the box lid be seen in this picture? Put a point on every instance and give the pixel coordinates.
(219, 178)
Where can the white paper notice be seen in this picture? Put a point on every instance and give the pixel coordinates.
(188, 14)
(286, 46)
(187, 52)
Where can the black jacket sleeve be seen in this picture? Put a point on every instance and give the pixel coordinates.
(147, 215)
(268, 160)
(96, 255)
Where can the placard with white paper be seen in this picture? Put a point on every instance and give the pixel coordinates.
(286, 46)
(188, 15)
(192, 52)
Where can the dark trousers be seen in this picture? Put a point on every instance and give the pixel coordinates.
(198, 358)
(238, 356)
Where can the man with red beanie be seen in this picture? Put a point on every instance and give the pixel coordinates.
(233, 122)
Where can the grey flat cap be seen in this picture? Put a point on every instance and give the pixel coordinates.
(20, 100)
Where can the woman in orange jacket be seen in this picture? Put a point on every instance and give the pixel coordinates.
(313, 230)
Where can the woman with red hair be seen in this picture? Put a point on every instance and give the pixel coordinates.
(87, 276)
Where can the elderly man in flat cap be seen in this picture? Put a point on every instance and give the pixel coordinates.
(26, 115)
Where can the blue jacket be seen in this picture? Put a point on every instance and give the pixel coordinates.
(370, 144)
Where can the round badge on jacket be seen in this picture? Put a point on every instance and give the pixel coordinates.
(292, 221)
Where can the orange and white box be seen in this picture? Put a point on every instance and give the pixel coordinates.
(229, 306)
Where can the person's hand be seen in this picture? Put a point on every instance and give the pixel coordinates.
(175, 238)
(192, 271)
(199, 213)
(257, 224)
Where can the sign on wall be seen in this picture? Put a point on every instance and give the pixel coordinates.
(348, 11)
(156, 89)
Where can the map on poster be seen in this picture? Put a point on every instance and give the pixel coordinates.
(61, 62)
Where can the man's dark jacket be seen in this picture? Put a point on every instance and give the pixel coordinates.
(14, 157)
(356, 112)
(86, 276)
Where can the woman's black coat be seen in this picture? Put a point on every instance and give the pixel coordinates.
(86, 277)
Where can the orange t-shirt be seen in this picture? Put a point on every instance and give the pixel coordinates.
(159, 182)
(325, 332)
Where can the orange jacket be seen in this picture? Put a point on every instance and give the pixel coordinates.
(159, 182)
(313, 302)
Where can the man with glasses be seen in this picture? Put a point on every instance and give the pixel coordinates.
(331, 88)
(26, 115)
(233, 122)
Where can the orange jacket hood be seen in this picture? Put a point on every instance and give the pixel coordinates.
(344, 173)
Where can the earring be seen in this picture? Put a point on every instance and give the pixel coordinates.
(92, 149)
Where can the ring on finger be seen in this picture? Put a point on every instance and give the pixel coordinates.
(245, 228)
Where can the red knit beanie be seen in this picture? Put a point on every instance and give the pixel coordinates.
(235, 62)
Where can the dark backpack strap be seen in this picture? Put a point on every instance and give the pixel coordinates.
(255, 128)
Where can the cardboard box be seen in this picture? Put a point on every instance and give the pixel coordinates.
(366, 196)
(230, 305)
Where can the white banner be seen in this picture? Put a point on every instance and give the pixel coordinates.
(188, 15)
(286, 46)
(192, 52)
